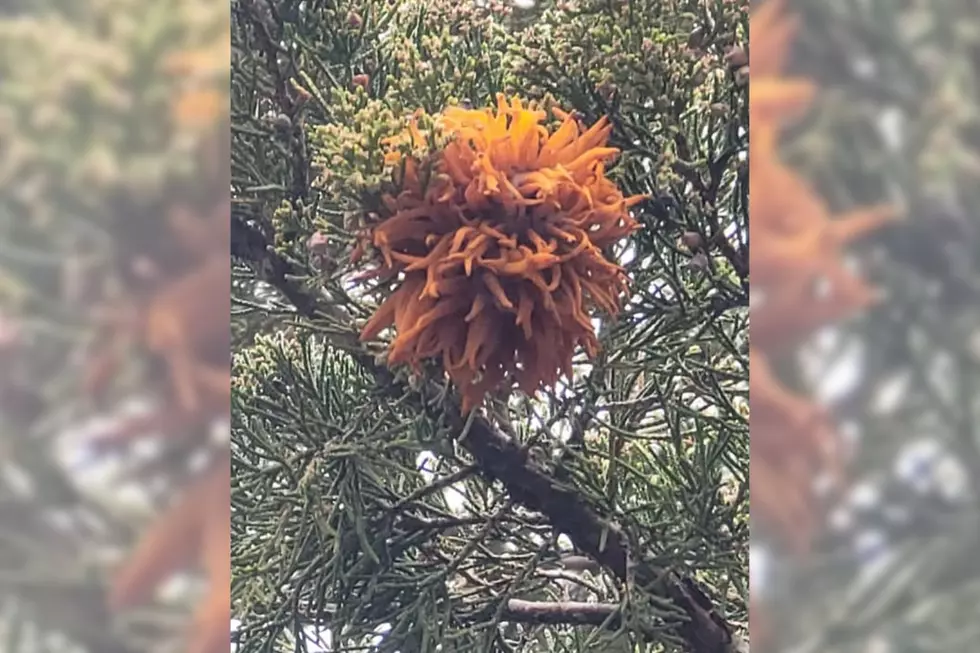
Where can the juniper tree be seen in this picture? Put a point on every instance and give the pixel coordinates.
(374, 504)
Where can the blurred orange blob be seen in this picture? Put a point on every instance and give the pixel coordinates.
(801, 283)
(203, 101)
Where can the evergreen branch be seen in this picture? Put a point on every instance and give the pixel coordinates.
(268, 32)
(500, 457)
(606, 615)
(503, 459)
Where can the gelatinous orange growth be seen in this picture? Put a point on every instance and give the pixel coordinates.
(802, 284)
(493, 247)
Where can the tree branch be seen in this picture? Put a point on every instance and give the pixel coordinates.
(503, 459)
(562, 612)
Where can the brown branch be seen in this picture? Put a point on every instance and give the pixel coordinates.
(562, 613)
(704, 630)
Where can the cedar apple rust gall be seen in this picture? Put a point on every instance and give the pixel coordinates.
(490, 252)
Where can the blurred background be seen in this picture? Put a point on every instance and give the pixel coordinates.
(113, 201)
(884, 101)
